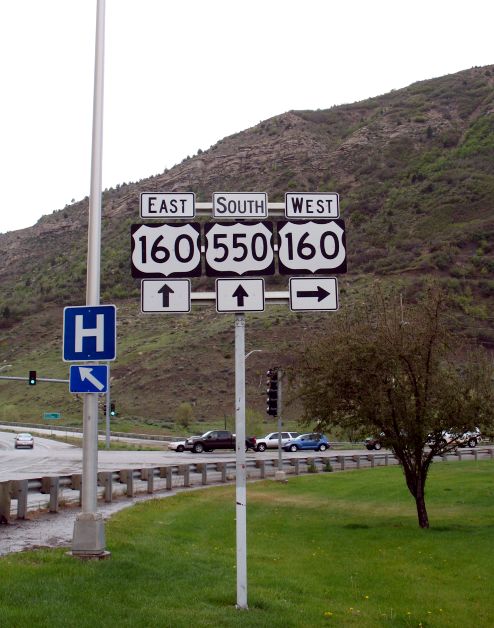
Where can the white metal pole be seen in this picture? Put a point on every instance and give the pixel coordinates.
(108, 408)
(280, 456)
(89, 528)
(240, 484)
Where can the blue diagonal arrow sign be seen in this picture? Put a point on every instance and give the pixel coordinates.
(88, 378)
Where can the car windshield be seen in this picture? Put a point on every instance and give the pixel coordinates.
(24, 437)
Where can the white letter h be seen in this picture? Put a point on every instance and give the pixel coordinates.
(81, 332)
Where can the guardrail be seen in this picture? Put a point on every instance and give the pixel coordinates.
(51, 493)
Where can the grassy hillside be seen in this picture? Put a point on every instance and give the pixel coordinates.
(414, 173)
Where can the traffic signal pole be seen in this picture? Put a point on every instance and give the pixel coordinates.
(89, 533)
(280, 475)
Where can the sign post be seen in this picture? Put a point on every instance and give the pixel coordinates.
(240, 482)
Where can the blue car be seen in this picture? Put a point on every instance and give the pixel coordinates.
(315, 441)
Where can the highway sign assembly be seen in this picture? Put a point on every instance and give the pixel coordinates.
(313, 293)
(165, 250)
(239, 250)
(167, 205)
(240, 295)
(165, 295)
(88, 378)
(89, 333)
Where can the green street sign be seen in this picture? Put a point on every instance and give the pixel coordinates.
(52, 415)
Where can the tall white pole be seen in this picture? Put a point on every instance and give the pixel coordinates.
(240, 484)
(89, 536)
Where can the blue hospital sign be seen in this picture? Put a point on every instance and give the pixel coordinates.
(89, 333)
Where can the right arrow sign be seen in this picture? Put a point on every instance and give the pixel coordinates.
(307, 293)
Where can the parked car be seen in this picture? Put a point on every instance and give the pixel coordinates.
(373, 443)
(24, 439)
(470, 438)
(270, 441)
(177, 444)
(315, 441)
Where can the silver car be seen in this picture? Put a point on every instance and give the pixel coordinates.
(270, 441)
(24, 439)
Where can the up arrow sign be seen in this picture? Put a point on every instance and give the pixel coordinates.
(240, 294)
(166, 291)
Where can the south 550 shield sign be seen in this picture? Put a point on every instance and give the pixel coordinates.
(165, 250)
(316, 247)
(239, 248)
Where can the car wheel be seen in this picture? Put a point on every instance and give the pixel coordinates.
(261, 447)
(323, 447)
(293, 448)
(198, 448)
(377, 446)
(180, 449)
(472, 442)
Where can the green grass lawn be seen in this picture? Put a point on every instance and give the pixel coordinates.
(333, 549)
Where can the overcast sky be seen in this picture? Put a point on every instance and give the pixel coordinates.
(182, 74)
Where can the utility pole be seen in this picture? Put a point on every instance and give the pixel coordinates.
(89, 532)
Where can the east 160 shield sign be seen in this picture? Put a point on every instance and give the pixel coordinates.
(166, 250)
(314, 246)
(239, 248)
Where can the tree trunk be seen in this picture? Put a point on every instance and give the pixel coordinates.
(421, 509)
(415, 476)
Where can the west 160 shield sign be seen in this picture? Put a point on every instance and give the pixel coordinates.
(166, 250)
(310, 246)
(239, 248)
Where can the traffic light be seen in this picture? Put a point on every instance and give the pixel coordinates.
(272, 392)
(113, 412)
(32, 378)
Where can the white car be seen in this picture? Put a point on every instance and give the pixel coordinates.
(271, 440)
(177, 444)
(467, 439)
(24, 439)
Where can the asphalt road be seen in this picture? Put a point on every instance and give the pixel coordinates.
(51, 457)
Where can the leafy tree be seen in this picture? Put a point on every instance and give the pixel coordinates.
(184, 414)
(401, 373)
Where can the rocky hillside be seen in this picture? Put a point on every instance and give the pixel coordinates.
(414, 172)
